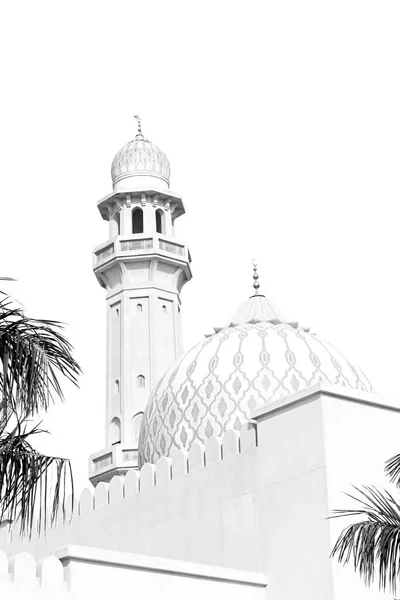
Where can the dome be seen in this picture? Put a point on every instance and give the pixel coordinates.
(254, 360)
(140, 157)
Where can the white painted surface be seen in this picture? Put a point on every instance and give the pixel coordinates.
(78, 572)
(261, 509)
(312, 447)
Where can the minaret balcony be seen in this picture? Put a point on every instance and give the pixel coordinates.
(126, 246)
(115, 460)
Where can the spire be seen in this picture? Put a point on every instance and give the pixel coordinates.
(258, 309)
(256, 285)
(139, 135)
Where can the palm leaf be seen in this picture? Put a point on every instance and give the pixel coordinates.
(33, 355)
(392, 468)
(32, 352)
(27, 498)
(372, 545)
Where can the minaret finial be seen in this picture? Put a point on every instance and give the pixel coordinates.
(139, 135)
(256, 285)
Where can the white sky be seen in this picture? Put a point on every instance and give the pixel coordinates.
(281, 122)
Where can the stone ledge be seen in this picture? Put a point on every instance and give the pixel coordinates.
(330, 391)
(157, 564)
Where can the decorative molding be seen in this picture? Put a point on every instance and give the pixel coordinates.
(152, 564)
(156, 198)
(167, 206)
(143, 199)
(128, 200)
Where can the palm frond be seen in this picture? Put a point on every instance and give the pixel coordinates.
(372, 545)
(32, 352)
(392, 469)
(33, 355)
(33, 486)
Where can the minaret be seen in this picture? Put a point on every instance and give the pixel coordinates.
(143, 269)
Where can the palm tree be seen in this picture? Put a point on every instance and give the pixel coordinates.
(372, 543)
(33, 354)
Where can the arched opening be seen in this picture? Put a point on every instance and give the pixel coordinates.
(139, 308)
(136, 424)
(164, 309)
(115, 431)
(116, 386)
(137, 220)
(160, 221)
(140, 381)
(117, 219)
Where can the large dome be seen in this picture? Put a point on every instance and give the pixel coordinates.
(242, 367)
(140, 157)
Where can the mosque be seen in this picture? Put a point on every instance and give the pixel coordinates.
(222, 464)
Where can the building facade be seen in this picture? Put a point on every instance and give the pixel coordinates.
(221, 465)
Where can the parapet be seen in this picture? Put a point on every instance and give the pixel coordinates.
(23, 574)
(158, 494)
(165, 470)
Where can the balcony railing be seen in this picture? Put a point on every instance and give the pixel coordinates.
(102, 461)
(171, 247)
(104, 253)
(136, 244)
(129, 455)
(145, 244)
(113, 458)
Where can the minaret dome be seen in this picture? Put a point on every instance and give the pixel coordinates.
(138, 163)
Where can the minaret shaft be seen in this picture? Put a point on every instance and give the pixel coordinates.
(143, 268)
(143, 339)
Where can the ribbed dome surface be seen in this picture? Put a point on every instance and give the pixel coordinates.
(221, 381)
(140, 157)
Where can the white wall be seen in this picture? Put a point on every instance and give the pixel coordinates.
(311, 447)
(177, 509)
(237, 505)
(79, 572)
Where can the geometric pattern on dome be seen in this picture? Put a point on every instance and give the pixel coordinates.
(140, 157)
(221, 381)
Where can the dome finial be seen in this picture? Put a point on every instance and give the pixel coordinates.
(256, 285)
(139, 135)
